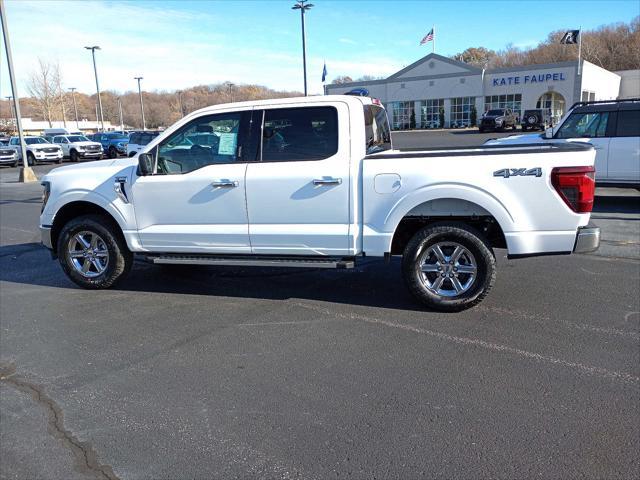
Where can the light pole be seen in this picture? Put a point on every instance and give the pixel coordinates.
(302, 5)
(26, 173)
(75, 107)
(144, 127)
(230, 86)
(95, 71)
(121, 119)
(12, 112)
(180, 102)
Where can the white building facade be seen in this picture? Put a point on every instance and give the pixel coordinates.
(419, 95)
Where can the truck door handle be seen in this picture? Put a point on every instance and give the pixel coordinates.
(225, 183)
(327, 181)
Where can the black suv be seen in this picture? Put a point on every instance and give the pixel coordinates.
(498, 119)
(535, 119)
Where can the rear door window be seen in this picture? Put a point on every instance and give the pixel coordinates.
(299, 134)
(628, 123)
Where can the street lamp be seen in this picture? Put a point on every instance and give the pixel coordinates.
(11, 110)
(75, 107)
(230, 86)
(95, 71)
(302, 5)
(144, 127)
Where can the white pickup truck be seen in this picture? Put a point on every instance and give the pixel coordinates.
(314, 182)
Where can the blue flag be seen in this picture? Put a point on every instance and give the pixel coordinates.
(324, 72)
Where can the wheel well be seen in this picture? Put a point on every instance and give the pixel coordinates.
(410, 225)
(75, 209)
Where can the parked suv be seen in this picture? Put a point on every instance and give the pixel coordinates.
(8, 155)
(498, 119)
(535, 119)
(78, 147)
(38, 150)
(138, 140)
(113, 144)
(611, 126)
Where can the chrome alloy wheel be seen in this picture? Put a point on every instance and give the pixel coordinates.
(88, 253)
(448, 269)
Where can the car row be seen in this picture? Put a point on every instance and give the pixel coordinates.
(57, 144)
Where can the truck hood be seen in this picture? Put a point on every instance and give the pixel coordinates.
(42, 146)
(85, 144)
(517, 139)
(99, 169)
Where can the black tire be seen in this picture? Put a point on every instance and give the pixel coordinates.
(14, 164)
(58, 161)
(481, 130)
(457, 234)
(31, 160)
(113, 153)
(119, 260)
(73, 156)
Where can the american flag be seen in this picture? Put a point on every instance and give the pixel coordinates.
(427, 38)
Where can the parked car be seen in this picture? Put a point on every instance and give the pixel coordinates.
(4, 141)
(314, 182)
(498, 119)
(611, 126)
(38, 150)
(113, 144)
(77, 147)
(535, 119)
(8, 156)
(138, 140)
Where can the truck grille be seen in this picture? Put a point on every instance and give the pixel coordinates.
(49, 150)
(6, 152)
(93, 148)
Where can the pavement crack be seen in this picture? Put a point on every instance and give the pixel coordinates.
(85, 455)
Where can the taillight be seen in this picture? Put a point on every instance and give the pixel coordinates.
(576, 186)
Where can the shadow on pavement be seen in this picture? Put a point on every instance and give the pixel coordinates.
(373, 283)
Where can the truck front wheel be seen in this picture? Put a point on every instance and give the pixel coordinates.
(92, 252)
(449, 266)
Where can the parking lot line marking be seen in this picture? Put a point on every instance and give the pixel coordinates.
(588, 369)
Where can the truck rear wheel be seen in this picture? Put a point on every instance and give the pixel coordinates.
(92, 252)
(449, 266)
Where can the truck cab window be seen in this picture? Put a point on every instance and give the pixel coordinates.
(299, 134)
(209, 140)
(588, 125)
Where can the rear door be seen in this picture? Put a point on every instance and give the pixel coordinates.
(298, 193)
(624, 149)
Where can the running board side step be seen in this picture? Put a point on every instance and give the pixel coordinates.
(255, 261)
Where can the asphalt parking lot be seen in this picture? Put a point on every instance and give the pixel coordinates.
(266, 373)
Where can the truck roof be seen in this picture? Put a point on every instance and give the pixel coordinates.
(350, 99)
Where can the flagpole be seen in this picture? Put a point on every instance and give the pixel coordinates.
(579, 49)
(433, 47)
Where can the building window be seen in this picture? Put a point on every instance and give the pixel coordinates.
(461, 111)
(512, 101)
(430, 113)
(554, 103)
(401, 113)
(588, 96)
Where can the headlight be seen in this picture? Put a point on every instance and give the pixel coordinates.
(121, 145)
(45, 194)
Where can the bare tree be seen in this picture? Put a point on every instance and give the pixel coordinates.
(44, 87)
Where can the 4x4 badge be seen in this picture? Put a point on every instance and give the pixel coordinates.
(518, 172)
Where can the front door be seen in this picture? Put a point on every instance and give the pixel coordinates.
(298, 194)
(195, 202)
(592, 127)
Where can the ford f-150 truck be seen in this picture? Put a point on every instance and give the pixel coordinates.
(315, 182)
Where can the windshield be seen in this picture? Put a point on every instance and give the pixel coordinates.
(78, 138)
(495, 112)
(117, 136)
(33, 141)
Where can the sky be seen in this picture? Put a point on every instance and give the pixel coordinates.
(179, 44)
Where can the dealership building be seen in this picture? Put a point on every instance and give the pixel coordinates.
(415, 95)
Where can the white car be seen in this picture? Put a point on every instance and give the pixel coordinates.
(8, 155)
(139, 140)
(314, 182)
(612, 127)
(78, 147)
(38, 150)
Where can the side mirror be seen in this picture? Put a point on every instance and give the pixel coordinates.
(145, 164)
(548, 133)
